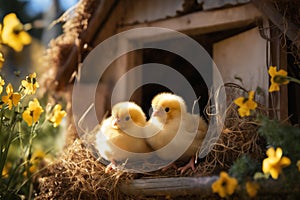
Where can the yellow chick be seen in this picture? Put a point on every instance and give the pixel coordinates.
(120, 137)
(180, 133)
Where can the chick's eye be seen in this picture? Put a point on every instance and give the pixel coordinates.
(127, 118)
(167, 109)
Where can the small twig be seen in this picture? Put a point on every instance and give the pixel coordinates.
(80, 121)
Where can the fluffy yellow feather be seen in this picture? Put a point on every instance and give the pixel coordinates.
(181, 131)
(121, 135)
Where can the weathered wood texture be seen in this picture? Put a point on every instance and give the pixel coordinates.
(207, 21)
(170, 186)
(151, 10)
(209, 4)
(287, 27)
(200, 187)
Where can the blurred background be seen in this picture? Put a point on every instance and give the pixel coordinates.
(40, 13)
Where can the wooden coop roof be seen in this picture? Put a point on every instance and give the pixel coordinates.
(93, 21)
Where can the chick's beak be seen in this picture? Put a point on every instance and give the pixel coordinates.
(115, 122)
(157, 113)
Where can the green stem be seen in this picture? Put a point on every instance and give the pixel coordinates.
(293, 79)
(20, 131)
(31, 137)
(1, 153)
(11, 137)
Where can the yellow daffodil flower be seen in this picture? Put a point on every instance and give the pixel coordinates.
(13, 33)
(2, 83)
(1, 59)
(252, 188)
(277, 78)
(12, 98)
(225, 185)
(6, 169)
(30, 84)
(298, 165)
(35, 161)
(275, 162)
(33, 112)
(246, 104)
(57, 115)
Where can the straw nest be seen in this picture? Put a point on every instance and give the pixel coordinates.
(77, 174)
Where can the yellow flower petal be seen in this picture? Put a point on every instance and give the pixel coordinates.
(272, 71)
(57, 115)
(231, 186)
(278, 152)
(275, 162)
(285, 161)
(270, 152)
(225, 185)
(251, 95)
(16, 98)
(251, 104)
(239, 101)
(25, 37)
(274, 173)
(6, 169)
(2, 83)
(1, 59)
(37, 156)
(274, 87)
(246, 104)
(11, 20)
(27, 118)
(244, 111)
(277, 78)
(252, 188)
(5, 99)
(30, 84)
(32, 113)
(13, 33)
(266, 166)
(11, 98)
(282, 72)
(9, 89)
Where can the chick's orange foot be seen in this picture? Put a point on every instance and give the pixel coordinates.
(190, 164)
(172, 165)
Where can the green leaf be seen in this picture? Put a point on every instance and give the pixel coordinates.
(260, 175)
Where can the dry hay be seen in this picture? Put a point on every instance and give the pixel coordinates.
(239, 136)
(79, 175)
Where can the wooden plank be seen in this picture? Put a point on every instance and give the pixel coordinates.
(278, 100)
(206, 21)
(179, 186)
(284, 100)
(209, 4)
(109, 28)
(151, 10)
(197, 186)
